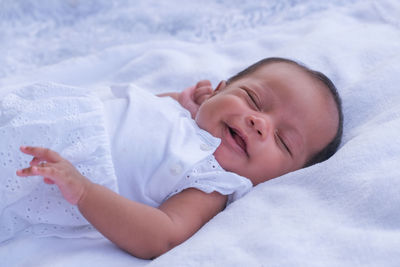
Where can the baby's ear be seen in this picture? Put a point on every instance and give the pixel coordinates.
(220, 86)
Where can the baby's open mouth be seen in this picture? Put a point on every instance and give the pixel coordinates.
(238, 139)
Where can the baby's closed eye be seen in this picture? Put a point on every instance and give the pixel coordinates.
(252, 98)
(282, 142)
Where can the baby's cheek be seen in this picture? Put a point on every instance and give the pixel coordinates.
(267, 165)
(205, 117)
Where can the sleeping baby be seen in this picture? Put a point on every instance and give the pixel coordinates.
(147, 171)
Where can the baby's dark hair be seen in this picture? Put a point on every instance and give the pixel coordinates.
(332, 147)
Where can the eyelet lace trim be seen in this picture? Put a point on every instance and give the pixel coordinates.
(62, 118)
(209, 176)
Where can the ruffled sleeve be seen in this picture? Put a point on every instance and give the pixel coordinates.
(208, 176)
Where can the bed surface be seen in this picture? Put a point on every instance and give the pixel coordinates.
(342, 212)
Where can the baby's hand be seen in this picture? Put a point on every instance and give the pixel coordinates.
(192, 97)
(55, 170)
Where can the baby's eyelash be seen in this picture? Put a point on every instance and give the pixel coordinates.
(252, 98)
(283, 143)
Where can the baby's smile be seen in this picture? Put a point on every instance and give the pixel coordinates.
(237, 140)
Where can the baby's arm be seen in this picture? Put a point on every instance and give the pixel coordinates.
(141, 230)
(144, 231)
(192, 97)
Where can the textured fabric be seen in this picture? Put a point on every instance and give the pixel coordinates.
(344, 212)
(158, 150)
(67, 120)
(156, 147)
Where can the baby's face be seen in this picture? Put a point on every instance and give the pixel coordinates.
(270, 122)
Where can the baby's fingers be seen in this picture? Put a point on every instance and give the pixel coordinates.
(43, 169)
(33, 171)
(201, 94)
(35, 161)
(43, 154)
(203, 83)
(30, 171)
(48, 180)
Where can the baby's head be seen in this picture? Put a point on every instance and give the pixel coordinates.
(274, 117)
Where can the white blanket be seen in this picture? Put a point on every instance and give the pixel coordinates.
(342, 212)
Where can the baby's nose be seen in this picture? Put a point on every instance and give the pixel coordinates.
(259, 125)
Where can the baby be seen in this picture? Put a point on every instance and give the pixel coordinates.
(274, 117)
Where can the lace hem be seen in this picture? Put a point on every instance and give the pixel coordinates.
(67, 120)
(208, 176)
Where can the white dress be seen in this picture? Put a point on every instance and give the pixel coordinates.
(144, 147)
(158, 150)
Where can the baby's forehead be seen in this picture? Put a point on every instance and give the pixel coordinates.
(273, 75)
